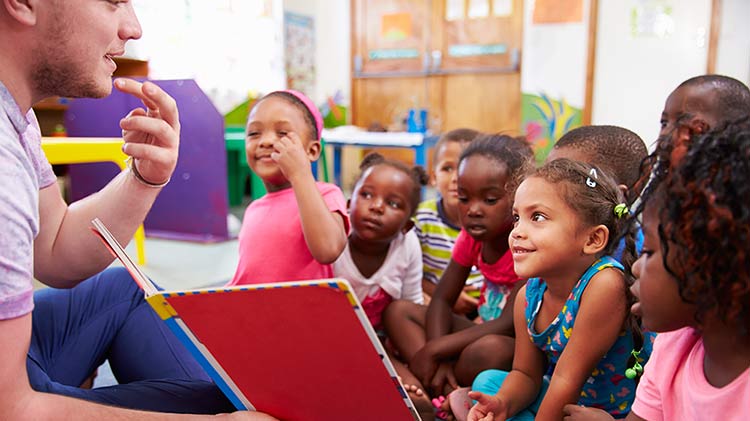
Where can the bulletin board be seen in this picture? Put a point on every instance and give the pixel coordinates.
(299, 56)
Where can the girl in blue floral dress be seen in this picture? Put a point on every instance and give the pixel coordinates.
(574, 333)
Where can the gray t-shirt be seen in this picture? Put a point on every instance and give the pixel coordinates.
(24, 170)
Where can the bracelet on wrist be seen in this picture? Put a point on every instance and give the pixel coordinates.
(134, 170)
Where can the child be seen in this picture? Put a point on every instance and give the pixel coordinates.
(571, 318)
(298, 229)
(698, 105)
(437, 224)
(614, 149)
(444, 350)
(694, 107)
(382, 259)
(693, 284)
(618, 151)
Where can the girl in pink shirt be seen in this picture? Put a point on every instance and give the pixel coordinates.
(693, 283)
(298, 229)
(437, 350)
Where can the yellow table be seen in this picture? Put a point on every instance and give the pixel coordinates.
(82, 150)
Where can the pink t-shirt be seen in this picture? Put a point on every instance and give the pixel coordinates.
(674, 387)
(468, 252)
(272, 245)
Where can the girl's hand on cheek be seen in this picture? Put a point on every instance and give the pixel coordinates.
(291, 156)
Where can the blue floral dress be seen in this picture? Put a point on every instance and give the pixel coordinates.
(607, 387)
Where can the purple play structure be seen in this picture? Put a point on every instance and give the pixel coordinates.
(193, 206)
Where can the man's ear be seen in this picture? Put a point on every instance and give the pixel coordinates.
(597, 240)
(23, 11)
(313, 150)
(407, 226)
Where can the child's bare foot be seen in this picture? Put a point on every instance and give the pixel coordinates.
(421, 401)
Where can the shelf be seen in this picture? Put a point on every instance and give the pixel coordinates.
(131, 67)
(125, 67)
(50, 111)
(54, 103)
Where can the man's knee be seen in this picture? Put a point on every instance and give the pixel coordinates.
(119, 280)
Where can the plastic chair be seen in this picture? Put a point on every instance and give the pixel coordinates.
(82, 150)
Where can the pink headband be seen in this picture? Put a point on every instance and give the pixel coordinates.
(310, 107)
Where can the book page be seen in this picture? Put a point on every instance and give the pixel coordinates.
(116, 249)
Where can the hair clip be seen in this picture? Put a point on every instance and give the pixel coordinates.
(589, 182)
(621, 210)
(636, 370)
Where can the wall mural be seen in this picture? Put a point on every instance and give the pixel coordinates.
(545, 120)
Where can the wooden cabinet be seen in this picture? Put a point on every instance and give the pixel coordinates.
(50, 110)
(460, 59)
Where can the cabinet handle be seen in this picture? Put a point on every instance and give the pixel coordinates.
(437, 59)
(435, 70)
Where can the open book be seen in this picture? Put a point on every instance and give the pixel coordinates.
(295, 350)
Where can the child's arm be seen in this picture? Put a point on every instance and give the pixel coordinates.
(411, 288)
(523, 383)
(450, 345)
(600, 320)
(438, 320)
(324, 231)
(583, 413)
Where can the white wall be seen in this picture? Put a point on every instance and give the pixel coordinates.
(230, 47)
(554, 57)
(733, 55)
(332, 45)
(635, 74)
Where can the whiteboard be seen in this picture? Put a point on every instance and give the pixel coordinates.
(636, 69)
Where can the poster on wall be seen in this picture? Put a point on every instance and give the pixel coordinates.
(299, 52)
(395, 26)
(558, 11)
(652, 18)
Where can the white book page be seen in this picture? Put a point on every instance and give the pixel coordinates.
(116, 249)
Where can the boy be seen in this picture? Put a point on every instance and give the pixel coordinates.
(618, 151)
(436, 221)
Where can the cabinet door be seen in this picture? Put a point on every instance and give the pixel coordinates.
(389, 47)
(457, 58)
(389, 36)
(475, 52)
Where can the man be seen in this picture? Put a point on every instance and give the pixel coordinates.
(65, 47)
